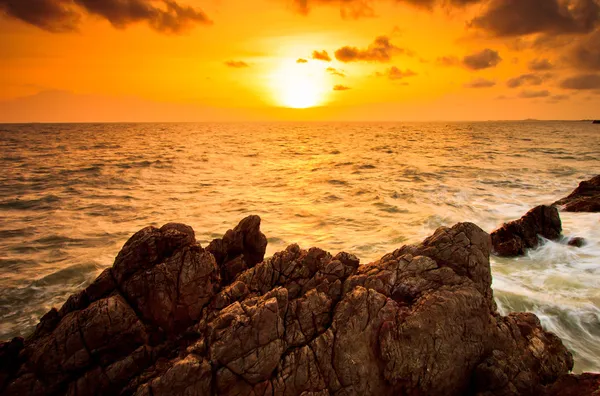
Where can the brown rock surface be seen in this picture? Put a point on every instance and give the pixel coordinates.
(172, 318)
(575, 385)
(585, 198)
(512, 239)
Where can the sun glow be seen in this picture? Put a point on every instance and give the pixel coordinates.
(300, 86)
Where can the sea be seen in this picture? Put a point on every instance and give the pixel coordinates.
(72, 194)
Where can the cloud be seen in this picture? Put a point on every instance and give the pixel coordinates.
(534, 94)
(582, 82)
(393, 73)
(335, 72)
(301, 60)
(505, 18)
(480, 83)
(524, 79)
(482, 60)
(364, 8)
(321, 55)
(340, 88)
(585, 53)
(381, 50)
(447, 61)
(540, 65)
(236, 64)
(166, 16)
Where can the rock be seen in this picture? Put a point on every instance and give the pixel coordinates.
(577, 242)
(585, 198)
(171, 318)
(9, 359)
(240, 248)
(575, 385)
(512, 239)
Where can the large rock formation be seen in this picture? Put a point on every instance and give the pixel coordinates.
(172, 318)
(512, 239)
(585, 198)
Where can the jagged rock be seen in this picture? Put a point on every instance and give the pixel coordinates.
(576, 242)
(575, 385)
(240, 248)
(585, 198)
(512, 239)
(170, 318)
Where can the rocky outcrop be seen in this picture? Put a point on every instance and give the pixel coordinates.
(585, 198)
(173, 318)
(512, 239)
(575, 385)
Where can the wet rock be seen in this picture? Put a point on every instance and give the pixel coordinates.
(170, 318)
(575, 385)
(576, 242)
(585, 198)
(512, 239)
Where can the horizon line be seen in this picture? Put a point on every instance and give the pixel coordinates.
(291, 121)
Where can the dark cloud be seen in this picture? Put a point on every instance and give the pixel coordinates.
(482, 60)
(340, 88)
(364, 8)
(534, 94)
(393, 73)
(447, 61)
(301, 60)
(335, 72)
(505, 18)
(585, 53)
(524, 79)
(480, 83)
(50, 15)
(381, 50)
(582, 82)
(321, 55)
(165, 16)
(236, 64)
(540, 65)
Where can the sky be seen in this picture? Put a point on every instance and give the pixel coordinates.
(298, 60)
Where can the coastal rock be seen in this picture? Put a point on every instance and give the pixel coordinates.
(576, 242)
(512, 239)
(240, 248)
(172, 318)
(585, 198)
(575, 385)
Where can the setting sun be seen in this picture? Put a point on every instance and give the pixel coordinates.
(299, 85)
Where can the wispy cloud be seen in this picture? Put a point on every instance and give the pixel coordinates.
(340, 88)
(236, 64)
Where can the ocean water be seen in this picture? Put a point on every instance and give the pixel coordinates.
(72, 194)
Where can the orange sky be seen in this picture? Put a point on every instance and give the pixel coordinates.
(237, 60)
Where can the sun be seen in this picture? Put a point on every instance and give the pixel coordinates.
(299, 86)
